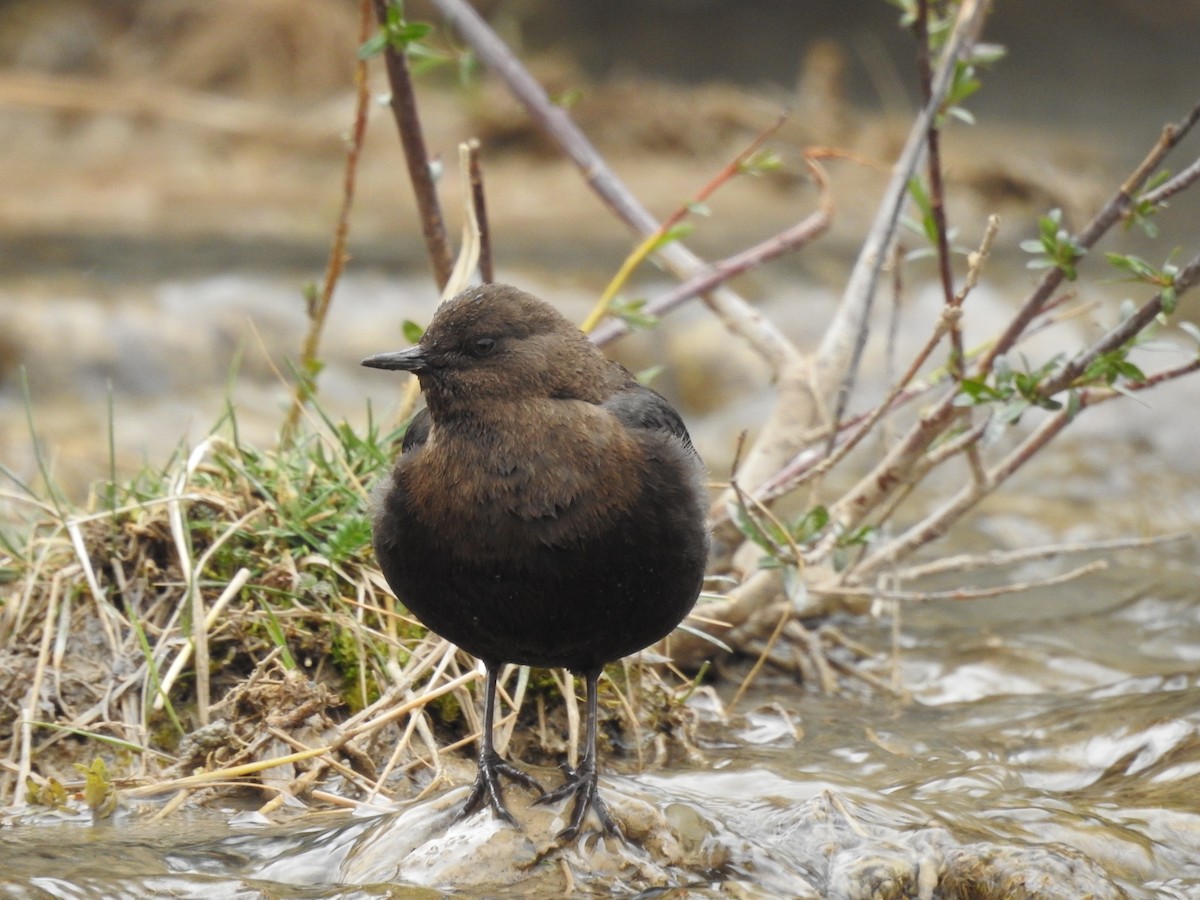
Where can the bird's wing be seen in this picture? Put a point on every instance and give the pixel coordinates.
(638, 406)
(417, 432)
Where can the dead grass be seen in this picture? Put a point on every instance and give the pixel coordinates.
(220, 625)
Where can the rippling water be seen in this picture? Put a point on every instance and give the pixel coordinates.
(1059, 751)
(1050, 739)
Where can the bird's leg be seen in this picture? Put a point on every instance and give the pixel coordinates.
(582, 782)
(491, 766)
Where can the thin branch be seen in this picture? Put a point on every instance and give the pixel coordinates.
(937, 196)
(404, 108)
(1108, 215)
(655, 239)
(318, 310)
(811, 227)
(968, 561)
(977, 258)
(487, 273)
(1165, 375)
(1173, 186)
(766, 339)
(966, 593)
(802, 469)
(940, 520)
(841, 349)
(1125, 331)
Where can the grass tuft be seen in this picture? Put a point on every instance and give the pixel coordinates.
(223, 616)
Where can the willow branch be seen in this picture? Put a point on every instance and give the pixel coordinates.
(812, 226)
(738, 315)
(487, 273)
(318, 310)
(1108, 215)
(1124, 332)
(404, 109)
(841, 349)
(937, 197)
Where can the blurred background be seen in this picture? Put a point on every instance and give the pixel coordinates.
(172, 173)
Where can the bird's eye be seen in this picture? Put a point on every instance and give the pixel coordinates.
(483, 346)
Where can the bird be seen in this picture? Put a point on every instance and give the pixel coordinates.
(546, 510)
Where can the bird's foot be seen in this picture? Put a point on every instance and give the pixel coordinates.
(487, 787)
(583, 785)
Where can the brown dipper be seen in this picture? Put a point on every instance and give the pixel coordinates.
(545, 510)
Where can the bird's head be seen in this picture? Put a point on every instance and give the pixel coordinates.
(496, 342)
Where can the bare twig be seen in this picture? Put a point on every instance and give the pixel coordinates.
(841, 348)
(784, 617)
(937, 199)
(469, 251)
(318, 308)
(734, 311)
(802, 468)
(938, 522)
(997, 558)
(1014, 587)
(799, 234)
(655, 239)
(404, 108)
(487, 272)
(907, 459)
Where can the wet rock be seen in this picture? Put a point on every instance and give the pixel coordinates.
(424, 845)
(1051, 872)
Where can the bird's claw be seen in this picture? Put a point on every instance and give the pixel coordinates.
(583, 785)
(487, 788)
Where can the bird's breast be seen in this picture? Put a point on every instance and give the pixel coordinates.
(556, 477)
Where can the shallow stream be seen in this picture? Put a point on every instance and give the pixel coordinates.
(1053, 741)
(1050, 739)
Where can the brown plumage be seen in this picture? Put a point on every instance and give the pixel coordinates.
(546, 509)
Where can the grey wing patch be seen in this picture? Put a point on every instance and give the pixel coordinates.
(417, 432)
(641, 407)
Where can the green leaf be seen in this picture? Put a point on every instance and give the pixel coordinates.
(278, 638)
(857, 537)
(412, 331)
(809, 525)
(99, 794)
(646, 376)
(632, 313)
(1073, 403)
(750, 528)
(672, 234)
(983, 54)
(973, 392)
(1169, 299)
(916, 190)
(399, 34)
(1056, 248)
(1128, 370)
(568, 98)
(1133, 266)
(760, 162)
(374, 45)
(957, 112)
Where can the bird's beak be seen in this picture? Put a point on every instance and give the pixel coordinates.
(411, 360)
